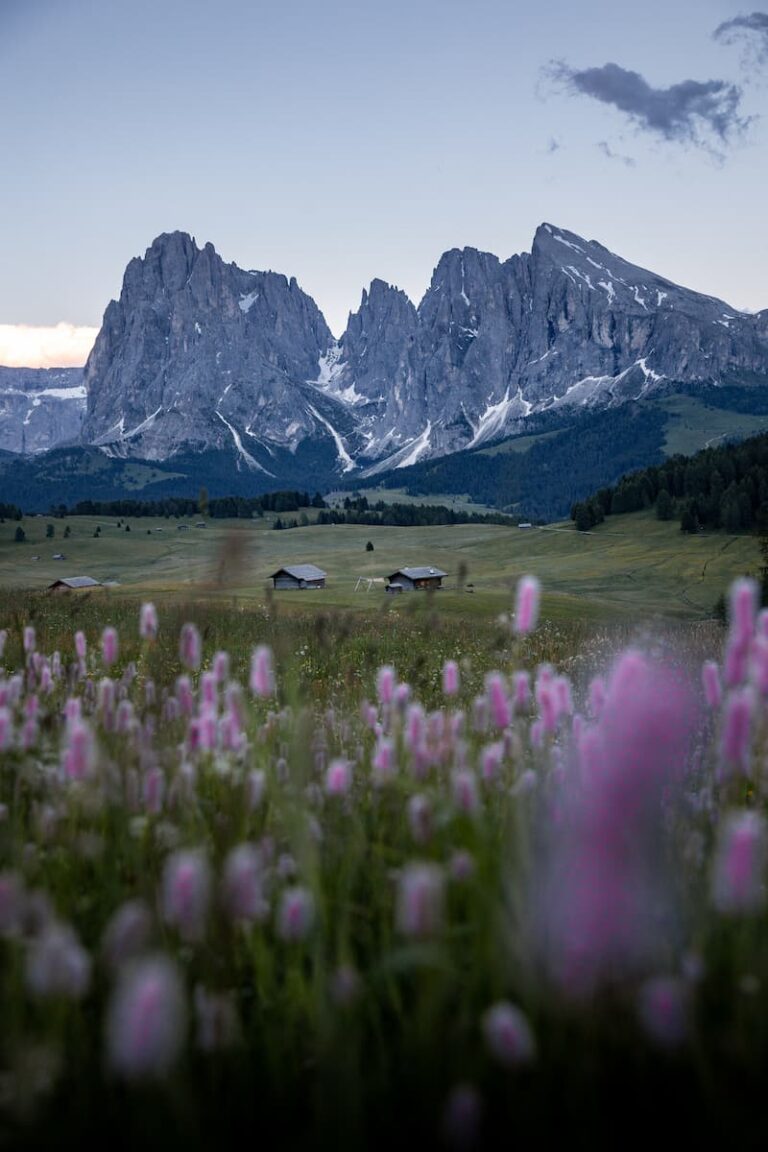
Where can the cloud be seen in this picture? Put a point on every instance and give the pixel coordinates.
(31, 346)
(691, 112)
(607, 151)
(752, 31)
(553, 145)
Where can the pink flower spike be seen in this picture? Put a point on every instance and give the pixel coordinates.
(80, 754)
(498, 704)
(420, 818)
(420, 900)
(384, 764)
(737, 728)
(521, 691)
(30, 640)
(186, 893)
(465, 797)
(385, 684)
(243, 885)
(296, 915)
(148, 624)
(109, 647)
(190, 646)
(81, 645)
(221, 667)
(6, 729)
(508, 1035)
(146, 1021)
(450, 678)
(738, 882)
(743, 598)
(663, 1010)
(710, 678)
(262, 677)
(527, 605)
(338, 778)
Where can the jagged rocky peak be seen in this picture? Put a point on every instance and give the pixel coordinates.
(198, 353)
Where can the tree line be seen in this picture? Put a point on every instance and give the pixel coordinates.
(719, 488)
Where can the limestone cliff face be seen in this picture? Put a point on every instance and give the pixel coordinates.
(40, 408)
(200, 354)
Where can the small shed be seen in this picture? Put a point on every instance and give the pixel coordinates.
(411, 579)
(298, 576)
(73, 584)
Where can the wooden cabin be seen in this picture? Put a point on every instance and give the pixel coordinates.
(73, 584)
(298, 577)
(413, 579)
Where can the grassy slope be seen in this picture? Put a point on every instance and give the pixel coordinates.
(629, 567)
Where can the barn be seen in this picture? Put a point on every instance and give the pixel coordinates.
(73, 584)
(410, 579)
(298, 577)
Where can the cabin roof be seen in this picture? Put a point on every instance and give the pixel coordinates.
(301, 572)
(76, 582)
(418, 573)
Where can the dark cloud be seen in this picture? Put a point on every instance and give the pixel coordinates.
(608, 152)
(691, 112)
(751, 31)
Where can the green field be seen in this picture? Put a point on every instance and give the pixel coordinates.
(630, 567)
(694, 425)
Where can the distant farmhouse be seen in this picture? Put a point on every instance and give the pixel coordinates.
(298, 576)
(73, 584)
(411, 579)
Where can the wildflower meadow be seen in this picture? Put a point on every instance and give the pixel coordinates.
(278, 890)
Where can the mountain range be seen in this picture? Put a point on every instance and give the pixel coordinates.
(201, 356)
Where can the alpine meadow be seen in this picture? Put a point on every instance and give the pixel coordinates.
(383, 672)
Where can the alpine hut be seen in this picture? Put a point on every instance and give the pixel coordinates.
(411, 579)
(298, 577)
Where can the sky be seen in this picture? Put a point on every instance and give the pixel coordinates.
(339, 141)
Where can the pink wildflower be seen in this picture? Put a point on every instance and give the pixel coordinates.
(256, 784)
(498, 704)
(218, 1027)
(420, 900)
(450, 678)
(296, 914)
(127, 933)
(384, 764)
(243, 885)
(737, 724)
(109, 647)
(742, 599)
(464, 787)
(57, 964)
(710, 678)
(527, 605)
(521, 691)
(186, 893)
(148, 624)
(30, 639)
(663, 1005)
(420, 818)
(146, 1020)
(221, 667)
(262, 676)
(508, 1035)
(385, 684)
(6, 729)
(190, 646)
(81, 645)
(80, 753)
(338, 778)
(738, 882)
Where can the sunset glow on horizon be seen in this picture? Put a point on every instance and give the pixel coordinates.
(36, 346)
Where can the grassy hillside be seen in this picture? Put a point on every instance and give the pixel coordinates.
(630, 567)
